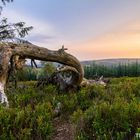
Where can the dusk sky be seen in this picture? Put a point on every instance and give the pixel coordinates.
(90, 29)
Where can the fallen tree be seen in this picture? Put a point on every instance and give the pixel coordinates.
(12, 57)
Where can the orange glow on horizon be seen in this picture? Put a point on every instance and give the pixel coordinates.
(124, 43)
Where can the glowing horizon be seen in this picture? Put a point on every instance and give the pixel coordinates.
(119, 43)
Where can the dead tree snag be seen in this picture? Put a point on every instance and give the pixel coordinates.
(16, 54)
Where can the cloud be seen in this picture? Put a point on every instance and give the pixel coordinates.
(40, 37)
(42, 30)
(43, 34)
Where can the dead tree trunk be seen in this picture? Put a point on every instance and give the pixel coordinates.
(8, 51)
(5, 56)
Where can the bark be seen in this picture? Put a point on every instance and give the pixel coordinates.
(5, 56)
(9, 50)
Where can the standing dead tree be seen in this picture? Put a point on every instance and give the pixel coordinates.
(13, 56)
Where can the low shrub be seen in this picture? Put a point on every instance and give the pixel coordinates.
(113, 113)
(30, 123)
(96, 112)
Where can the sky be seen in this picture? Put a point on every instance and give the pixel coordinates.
(90, 29)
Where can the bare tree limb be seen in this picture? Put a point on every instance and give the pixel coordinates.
(9, 50)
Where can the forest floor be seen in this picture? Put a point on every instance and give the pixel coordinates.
(63, 130)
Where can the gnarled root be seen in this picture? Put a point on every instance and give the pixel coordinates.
(65, 79)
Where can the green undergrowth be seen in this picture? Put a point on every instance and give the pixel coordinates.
(96, 112)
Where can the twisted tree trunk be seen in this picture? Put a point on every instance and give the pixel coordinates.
(9, 50)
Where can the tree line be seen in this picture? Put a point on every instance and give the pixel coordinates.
(120, 70)
(90, 71)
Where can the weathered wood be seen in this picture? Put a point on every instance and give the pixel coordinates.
(5, 56)
(35, 52)
(7, 51)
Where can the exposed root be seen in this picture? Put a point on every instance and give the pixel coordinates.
(64, 78)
